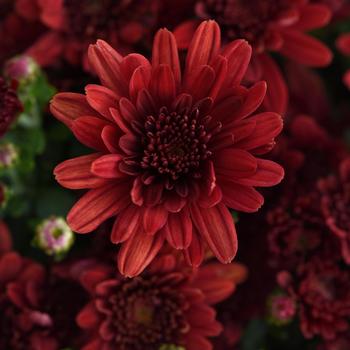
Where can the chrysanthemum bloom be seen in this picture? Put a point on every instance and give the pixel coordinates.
(173, 149)
(75, 24)
(168, 304)
(343, 45)
(335, 204)
(38, 308)
(324, 299)
(10, 106)
(268, 25)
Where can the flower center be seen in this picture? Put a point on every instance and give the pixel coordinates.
(248, 19)
(142, 315)
(175, 144)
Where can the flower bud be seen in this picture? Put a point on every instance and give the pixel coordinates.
(282, 309)
(54, 237)
(21, 68)
(8, 155)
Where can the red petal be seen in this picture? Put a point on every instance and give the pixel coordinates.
(110, 136)
(137, 191)
(202, 318)
(267, 174)
(235, 163)
(238, 54)
(174, 203)
(67, 107)
(98, 205)
(268, 126)
(76, 173)
(312, 16)
(107, 166)
(195, 341)
(343, 44)
(88, 131)
(139, 81)
(165, 52)
(200, 82)
(305, 49)
(145, 103)
(130, 144)
(105, 61)
(154, 218)
(10, 265)
(127, 224)
(204, 46)
(163, 85)
(131, 62)
(101, 99)
(179, 229)
(276, 99)
(242, 198)
(253, 99)
(88, 317)
(242, 129)
(216, 226)
(137, 252)
(195, 253)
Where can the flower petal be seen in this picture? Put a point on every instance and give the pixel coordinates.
(194, 255)
(267, 174)
(107, 166)
(165, 52)
(98, 205)
(76, 173)
(205, 45)
(137, 252)
(178, 230)
(105, 61)
(154, 218)
(127, 224)
(216, 226)
(312, 16)
(305, 49)
(235, 163)
(242, 198)
(162, 85)
(88, 131)
(67, 107)
(101, 99)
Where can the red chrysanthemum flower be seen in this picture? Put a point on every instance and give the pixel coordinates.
(324, 299)
(10, 106)
(173, 149)
(335, 204)
(168, 304)
(268, 25)
(75, 24)
(35, 311)
(343, 45)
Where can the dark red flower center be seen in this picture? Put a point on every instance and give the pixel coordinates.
(247, 19)
(142, 314)
(175, 144)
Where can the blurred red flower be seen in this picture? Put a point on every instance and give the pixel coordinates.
(173, 149)
(38, 308)
(343, 45)
(169, 304)
(73, 25)
(268, 25)
(335, 204)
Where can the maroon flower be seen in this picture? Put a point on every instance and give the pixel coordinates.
(168, 304)
(10, 106)
(324, 299)
(37, 308)
(75, 24)
(335, 204)
(343, 45)
(173, 149)
(268, 25)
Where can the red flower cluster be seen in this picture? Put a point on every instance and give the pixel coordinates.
(173, 147)
(268, 26)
